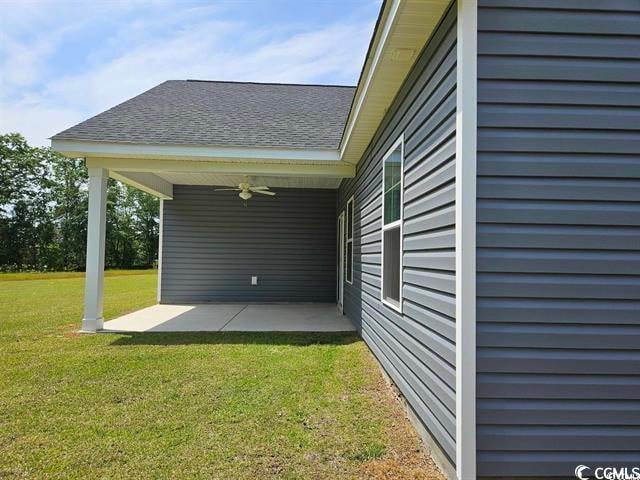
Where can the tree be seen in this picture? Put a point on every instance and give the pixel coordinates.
(147, 224)
(24, 200)
(19, 170)
(69, 194)
(43, 213)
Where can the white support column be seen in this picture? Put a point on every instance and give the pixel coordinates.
(161, 221)
(96, 228)
(466, 152)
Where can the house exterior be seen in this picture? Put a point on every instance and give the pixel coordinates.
(473, 206)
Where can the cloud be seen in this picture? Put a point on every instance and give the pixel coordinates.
(36, 122)
(159, 42)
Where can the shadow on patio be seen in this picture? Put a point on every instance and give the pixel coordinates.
(277, 324)
(297, 339)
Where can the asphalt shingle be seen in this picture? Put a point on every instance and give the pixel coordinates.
(189, 112)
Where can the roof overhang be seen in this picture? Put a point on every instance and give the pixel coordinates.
(155, 168)
(404, 28)
(78, 148)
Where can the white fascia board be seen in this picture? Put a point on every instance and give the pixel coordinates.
(330, 170)
(147, 182)
(83, 149)
(363, 86)
(466, 170)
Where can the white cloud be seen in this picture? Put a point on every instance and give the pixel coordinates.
(36, 122)
(147, 49)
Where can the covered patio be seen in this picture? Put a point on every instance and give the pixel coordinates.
(233, 317)
(264, 259)
(286, 147)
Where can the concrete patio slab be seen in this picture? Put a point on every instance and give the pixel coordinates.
(175, 318)
(233, 317)
(317, 317)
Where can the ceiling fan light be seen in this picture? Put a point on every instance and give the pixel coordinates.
(245, 195)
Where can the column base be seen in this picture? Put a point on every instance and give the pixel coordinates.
(92, 325)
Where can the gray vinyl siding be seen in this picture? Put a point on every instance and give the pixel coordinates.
(416, 348)
(558, 259)
(212, 244)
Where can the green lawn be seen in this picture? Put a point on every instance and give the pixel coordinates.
(201, 405)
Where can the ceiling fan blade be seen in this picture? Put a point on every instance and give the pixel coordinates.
(264, 192)
(259, 188)
(226, 189)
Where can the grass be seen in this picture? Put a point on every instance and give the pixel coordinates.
(204, 405)
(6, 277)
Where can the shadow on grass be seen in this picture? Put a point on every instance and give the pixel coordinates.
(296, 339)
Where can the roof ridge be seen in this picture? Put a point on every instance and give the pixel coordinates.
(267, 83)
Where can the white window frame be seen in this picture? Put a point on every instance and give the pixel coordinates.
(349, 222)
(397, 224)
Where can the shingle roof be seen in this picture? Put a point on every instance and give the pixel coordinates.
(224, 114)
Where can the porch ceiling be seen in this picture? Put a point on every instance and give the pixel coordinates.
(181, 178)
(157, 176)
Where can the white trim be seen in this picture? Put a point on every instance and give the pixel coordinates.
(397, 223)
(160, 230)
(350, 221)
(328, 170)
(78, 148)
(147, 182)
(466, 152)
(341, 261)
(393, 225)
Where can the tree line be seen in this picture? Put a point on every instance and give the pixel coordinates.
(43, 213)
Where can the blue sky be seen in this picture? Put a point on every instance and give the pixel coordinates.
(64, 61)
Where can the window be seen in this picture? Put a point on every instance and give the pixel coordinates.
(348, 265)
(392, 172)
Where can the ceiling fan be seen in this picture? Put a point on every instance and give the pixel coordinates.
(247, 190)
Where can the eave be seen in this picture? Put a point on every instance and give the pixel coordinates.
(103, 149)
(403, 29)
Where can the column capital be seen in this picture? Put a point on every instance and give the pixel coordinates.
(98, 172)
